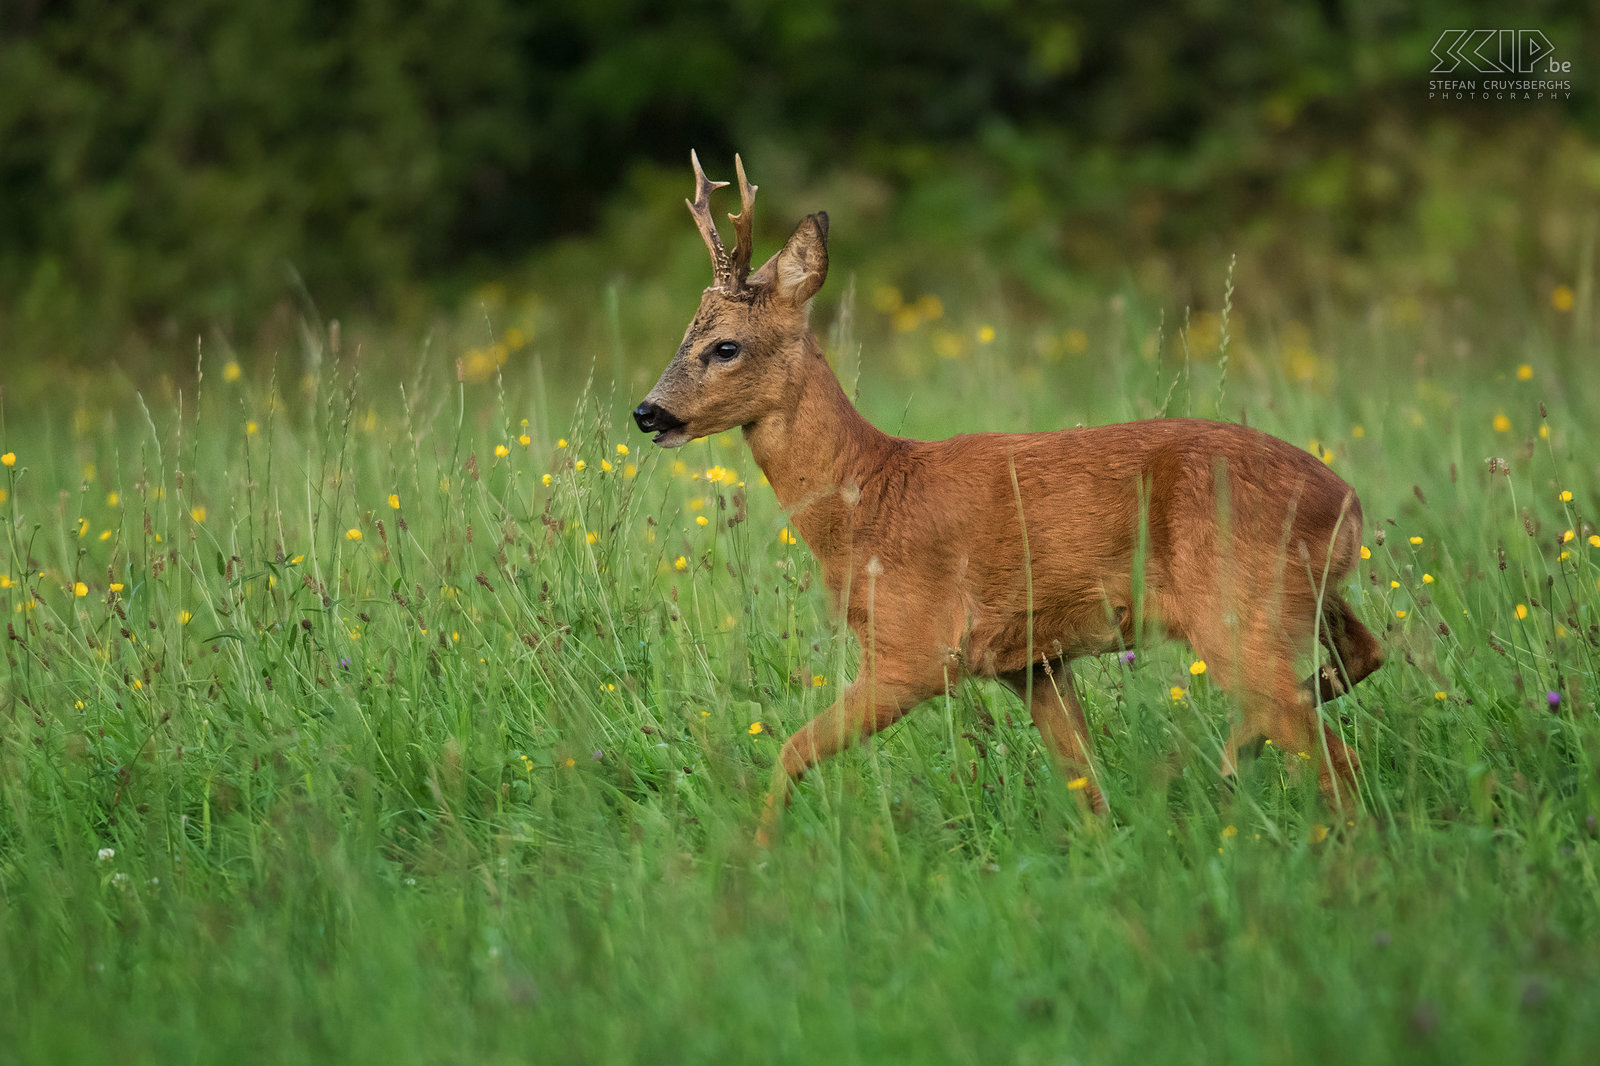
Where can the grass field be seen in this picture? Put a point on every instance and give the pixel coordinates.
(377, 715)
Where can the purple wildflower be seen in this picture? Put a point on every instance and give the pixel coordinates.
(1554, 697)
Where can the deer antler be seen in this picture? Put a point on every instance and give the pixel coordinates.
(700, 208)
(743, 222)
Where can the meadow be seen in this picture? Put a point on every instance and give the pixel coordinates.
(396, 701)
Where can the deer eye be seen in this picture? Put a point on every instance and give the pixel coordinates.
(725, 351)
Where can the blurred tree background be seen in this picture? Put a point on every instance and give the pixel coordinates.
(170, 168)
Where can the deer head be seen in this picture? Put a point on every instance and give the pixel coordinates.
(741, 354)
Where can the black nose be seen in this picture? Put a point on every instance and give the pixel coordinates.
(653, 419)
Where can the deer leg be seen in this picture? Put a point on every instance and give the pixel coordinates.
(1059, 717)
(1278, 705)
(860, 711)
(1353, 652)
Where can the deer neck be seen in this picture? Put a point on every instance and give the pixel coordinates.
(817, 451)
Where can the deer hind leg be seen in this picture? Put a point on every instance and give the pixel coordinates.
(861, 710)
(1277, 705)
(1256, 668)
(1353, 652)
(1059, 717)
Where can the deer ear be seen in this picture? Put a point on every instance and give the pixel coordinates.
(799, 269)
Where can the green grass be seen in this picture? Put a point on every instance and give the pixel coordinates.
(477, 788)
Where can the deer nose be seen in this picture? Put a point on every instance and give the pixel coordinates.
(655, 419)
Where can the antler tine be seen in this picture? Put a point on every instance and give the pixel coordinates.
(700, 208)
(743, 223)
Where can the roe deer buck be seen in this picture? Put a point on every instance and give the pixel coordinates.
(1009, 555)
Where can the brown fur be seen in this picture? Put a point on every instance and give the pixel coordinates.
(928, 547)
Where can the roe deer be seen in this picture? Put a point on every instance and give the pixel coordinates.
(1009, 555)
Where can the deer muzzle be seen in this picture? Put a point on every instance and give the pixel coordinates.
(667, 427)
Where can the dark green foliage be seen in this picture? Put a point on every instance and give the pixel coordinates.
(174, 166)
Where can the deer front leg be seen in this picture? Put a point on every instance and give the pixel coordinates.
(860, 711)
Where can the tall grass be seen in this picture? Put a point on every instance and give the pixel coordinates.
(378, 716)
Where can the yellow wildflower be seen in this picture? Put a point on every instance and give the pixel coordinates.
(231, 372)
(112, 499)
(1522, 610)
(592, 537)
(817, 681)
(501, 451)
(1502, 424)
(1197, 667)
(80, 589)
(580, 466)
(1441, 695)
(755, 728)
(1230, 831)
(8, 459)
(198, 514)
(680, 563)
(545, 480)
(785, 537)
(605, 466)
(1427, 579)
(1416, 542)
(524, 440)
(352, 534)
(1561, 298)
(701, 520)
(1525, 372)
(1400, 614)
(1366, 552)
(1565, 496)
(183, 618)
(1078, 783)
(622, 449)
(985, 334)
(394, 500)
